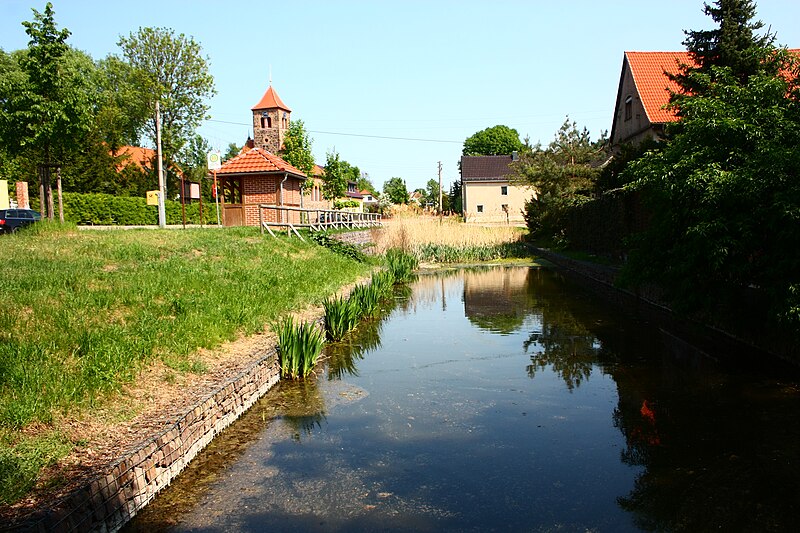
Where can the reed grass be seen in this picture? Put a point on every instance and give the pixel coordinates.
(412, 233)
(299, 347)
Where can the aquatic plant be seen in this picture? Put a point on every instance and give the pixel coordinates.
(383, 281)
(341, 316)
(401, 264)
(299, 346)
(366, 299)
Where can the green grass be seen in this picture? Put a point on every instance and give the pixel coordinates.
(85, 311)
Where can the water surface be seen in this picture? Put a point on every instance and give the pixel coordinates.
(503, 399)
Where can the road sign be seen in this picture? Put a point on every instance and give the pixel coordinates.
(214, 161)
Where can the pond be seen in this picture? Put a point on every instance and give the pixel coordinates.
(504, 399)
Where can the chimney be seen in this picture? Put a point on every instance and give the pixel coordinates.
(250, 143)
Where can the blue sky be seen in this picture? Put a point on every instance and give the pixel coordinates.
(439, 71)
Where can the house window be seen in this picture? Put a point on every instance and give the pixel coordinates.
(480, 209)
(504, 190)
(628, 107)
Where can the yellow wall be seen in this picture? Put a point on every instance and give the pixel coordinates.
(489, 195)
(3, 194)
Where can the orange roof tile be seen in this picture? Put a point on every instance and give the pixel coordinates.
(139, 157)
(270, 100)
(258, 160)
(649, 71)
(318, 170)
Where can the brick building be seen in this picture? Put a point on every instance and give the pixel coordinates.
(258, 176)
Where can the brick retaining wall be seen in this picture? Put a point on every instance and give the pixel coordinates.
(110, 500)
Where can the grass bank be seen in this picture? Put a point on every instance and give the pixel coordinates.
(85, 312)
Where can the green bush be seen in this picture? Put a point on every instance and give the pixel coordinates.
(339, 247)
(109, 209)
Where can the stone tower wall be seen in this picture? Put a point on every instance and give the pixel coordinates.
(270, 139)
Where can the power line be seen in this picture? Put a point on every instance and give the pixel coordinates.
(354, 134)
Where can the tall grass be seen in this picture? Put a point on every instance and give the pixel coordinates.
(450, 241)
(84, 312)
(299, 347)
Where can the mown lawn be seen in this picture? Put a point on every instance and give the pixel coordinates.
(85, 311)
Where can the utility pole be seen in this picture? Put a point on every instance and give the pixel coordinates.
(162, 216)
(440, 193)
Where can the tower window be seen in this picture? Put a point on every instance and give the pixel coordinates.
(480, 208)
(628, 107)
(504, 190)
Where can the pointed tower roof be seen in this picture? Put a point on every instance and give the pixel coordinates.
(271, 100)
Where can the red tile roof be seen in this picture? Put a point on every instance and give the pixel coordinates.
(649, 71)
(318, 171)
(140, 157)
(258, 160)
(270, 100)
(652, 83)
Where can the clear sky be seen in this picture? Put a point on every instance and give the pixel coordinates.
(357, 72)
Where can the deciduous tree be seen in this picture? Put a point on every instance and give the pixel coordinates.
(497, 140)
(334, 181)
(297, 147)
(172, 70)
(395, 189)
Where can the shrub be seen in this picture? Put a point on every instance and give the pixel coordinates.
(339, 247)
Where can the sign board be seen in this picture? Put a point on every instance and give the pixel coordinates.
(214, 161)
(3, 194)
(191, 190)
(152, 197)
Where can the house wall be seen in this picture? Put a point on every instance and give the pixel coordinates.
(315, 199)
(637, 127)
(264, 189)
(489, 195)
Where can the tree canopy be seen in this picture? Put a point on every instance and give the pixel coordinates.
(497, 140)
(297, 147)
(395, 189)
(334, 181)
(170, 69)
(563, 174)
(723, 190)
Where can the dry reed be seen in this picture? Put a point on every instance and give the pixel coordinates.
(409, 234)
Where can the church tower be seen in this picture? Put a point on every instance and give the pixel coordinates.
(270, 121)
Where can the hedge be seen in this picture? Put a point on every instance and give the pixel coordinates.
(108, 209)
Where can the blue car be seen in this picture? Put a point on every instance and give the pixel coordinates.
(13, 219)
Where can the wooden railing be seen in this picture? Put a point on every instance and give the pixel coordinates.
(292, 218)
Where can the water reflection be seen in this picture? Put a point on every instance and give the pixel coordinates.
(507, 398)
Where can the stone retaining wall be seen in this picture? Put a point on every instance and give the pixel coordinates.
(362, 239)
(109, 501)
